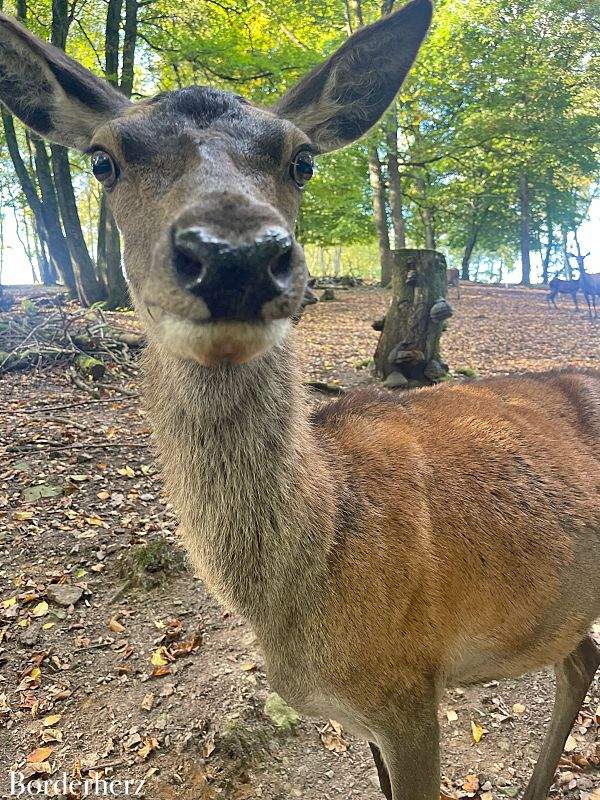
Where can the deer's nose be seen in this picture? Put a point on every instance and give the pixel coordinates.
(234, 280)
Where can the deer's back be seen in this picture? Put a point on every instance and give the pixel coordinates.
(469, 522)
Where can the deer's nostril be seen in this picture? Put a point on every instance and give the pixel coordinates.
(281, 268)
(188, 267)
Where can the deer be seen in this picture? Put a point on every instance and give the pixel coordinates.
(559, 286)
(366, 605)
(453, 279)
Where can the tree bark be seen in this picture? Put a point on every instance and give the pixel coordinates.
(468, 252)
(57, 246)
(88, 287)
(111, 41)
(525, 220)
(380, 216)
(395, 188)
(409, 345)
(565, 253)
(129, 45)
(109, 244)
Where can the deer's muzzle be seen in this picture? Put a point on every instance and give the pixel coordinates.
(235, 280)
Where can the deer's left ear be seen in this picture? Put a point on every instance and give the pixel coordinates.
(52, 94)
(342, 98)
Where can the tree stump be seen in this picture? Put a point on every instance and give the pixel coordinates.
(409, 344)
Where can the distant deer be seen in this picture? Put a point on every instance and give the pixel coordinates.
(453, 276)
(559, 286)
(456, 536)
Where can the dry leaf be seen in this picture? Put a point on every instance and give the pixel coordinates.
(159, 657)
(477, 732)
(40, 610)
(116, 626)
(471, 784)
(149, 745)
(518, 708)
(248, 666)
(11, 601)
(23, 515)
(451, 715)
(332, 737)
(160, 672)
(126, 472)
(39, 754)
(570, 744)
(147, 702)
(51, 720)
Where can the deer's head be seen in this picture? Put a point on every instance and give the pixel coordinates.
(205, 187)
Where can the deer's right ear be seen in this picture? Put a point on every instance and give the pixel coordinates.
(52, 94)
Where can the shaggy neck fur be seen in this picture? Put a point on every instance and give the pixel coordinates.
(248, 481)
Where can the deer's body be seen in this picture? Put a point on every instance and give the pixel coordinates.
(559, 286)
(383, 539)
(381, 549)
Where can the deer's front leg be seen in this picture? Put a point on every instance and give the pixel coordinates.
(407, 748)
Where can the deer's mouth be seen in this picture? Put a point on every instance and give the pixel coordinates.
(213, 342)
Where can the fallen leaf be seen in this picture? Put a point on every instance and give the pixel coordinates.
(40, 610)
(116, 626)
(39, 754)
(570, 744)
(471, 784)
(451, 715)
(147, 702)
(159, 657)
(332, 737)
(149, 745)
(23, 515)
(477, 731)
(11, 601)
(160, 672)
(51, 720)
(126, 472)
(518, 708)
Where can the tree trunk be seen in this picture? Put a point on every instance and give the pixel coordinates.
(395, 189)
(129, 45)
(57, 246)
(525, 217)
(109, 244)
(468, 252)
(408, 351)
(565, 253)
(118, 293)
(111, 41)
(379, 213)
(88, 287)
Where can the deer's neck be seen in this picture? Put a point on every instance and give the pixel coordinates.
(247, 479)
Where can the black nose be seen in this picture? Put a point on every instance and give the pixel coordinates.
(234, 280)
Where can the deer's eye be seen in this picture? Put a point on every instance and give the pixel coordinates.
(302, 168)
(104, 169)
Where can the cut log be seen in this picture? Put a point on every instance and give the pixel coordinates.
(410, 339)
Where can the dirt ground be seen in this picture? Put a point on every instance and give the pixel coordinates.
(114, 661)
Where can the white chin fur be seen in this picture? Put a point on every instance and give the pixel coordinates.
(219, 342)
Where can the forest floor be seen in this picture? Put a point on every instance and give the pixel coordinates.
(115, 662)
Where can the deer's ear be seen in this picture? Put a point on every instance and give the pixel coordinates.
(52, 94)
(342, 98)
